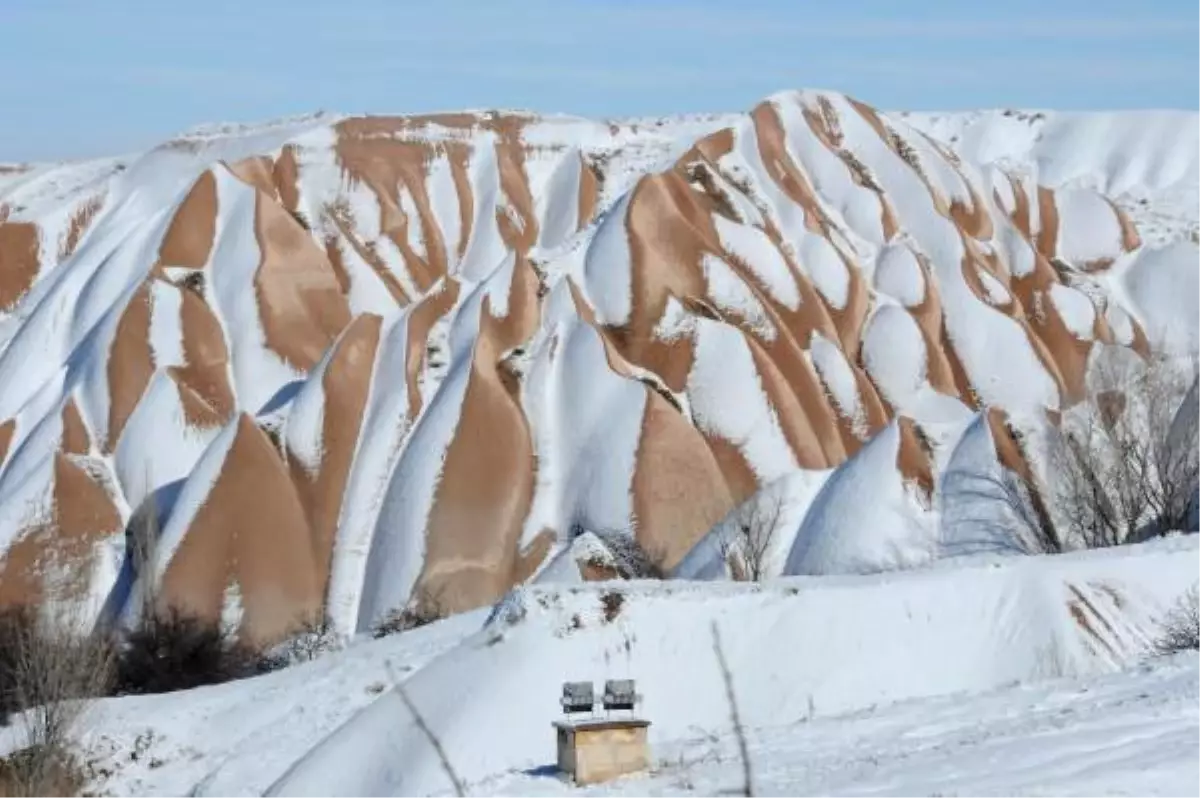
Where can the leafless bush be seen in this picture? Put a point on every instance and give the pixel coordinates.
(51, 671)
(747, 538)
(1122, 466)
(1126, 467)
(1181, 626)
(1000, 510)
(630, 558)
(39, 771)
(310, 641)
(423, 609)
(172, 650)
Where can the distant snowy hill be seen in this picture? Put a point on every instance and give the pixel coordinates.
(356, 362)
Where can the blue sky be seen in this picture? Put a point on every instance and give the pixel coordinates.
(89, 77)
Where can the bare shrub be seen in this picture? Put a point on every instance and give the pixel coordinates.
(15, 626)
(311, 640)
(611, 603)
(172, 650)
(39, 771)
(631, 559)
(51, 670)
(1121, 466)
(1124, 468)
(1003, 510)
(1181, 626)
(747, 538)
(423, 609)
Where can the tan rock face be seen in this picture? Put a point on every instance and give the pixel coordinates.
(369, 152)
(485, 489)
(420, 321)
(251, 538)
(205, 373)
(189, 239)
(130, 363)
(6, 435)
(679, 490)
(346, 383)
(733, 303)
(302, 305)
(19, 256)
(75, 437)
(53, 558)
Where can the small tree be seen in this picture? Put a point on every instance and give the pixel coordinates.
(1121, 466)
(999, 509)
(747, 537)
(1125, 465)
(52, 670)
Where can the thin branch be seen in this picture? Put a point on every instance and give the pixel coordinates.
(734, 716)
(429, 735)
(747, 536)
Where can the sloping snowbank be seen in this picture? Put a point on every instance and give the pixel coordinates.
(237, 738)
(798, 648)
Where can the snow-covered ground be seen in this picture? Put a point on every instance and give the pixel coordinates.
(250, 731)
(992, 675)
(1135, 732)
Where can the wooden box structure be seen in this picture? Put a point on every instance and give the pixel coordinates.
(595, 750)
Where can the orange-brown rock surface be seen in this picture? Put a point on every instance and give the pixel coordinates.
(365, 360)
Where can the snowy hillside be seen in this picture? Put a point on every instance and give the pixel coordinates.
(998, 675)
(354, 364)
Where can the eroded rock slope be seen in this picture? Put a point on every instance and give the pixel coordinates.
(351, 363)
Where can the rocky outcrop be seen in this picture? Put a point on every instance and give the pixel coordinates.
(366, 361)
